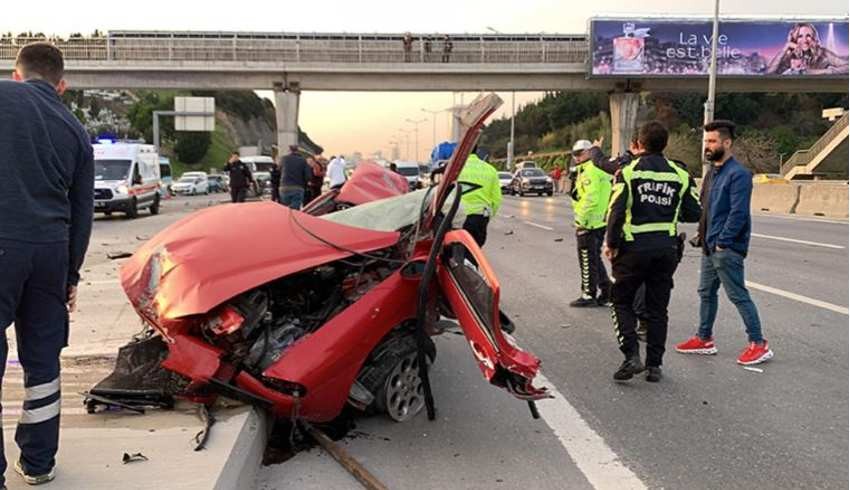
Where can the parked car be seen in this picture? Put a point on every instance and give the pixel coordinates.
(326, 311)
(411, 172)
(217, 183)
(262, 183)
(505, 179)
(532, 180)
(192, 183)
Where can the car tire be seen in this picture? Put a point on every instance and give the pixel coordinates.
(107, 213)
(400, 395)
(521, 194)
(155, 206)
(133, 209)
(549, 193)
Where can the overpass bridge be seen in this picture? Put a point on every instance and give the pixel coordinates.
(291, 62)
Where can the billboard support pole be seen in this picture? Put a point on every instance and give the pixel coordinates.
(712, 81)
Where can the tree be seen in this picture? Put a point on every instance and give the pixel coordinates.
(191, 146)
(140, 115)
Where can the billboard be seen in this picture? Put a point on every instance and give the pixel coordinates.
(676, 47)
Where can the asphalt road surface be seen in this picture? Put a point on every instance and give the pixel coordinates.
(708, 424)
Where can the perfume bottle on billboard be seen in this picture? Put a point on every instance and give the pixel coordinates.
(629, 49)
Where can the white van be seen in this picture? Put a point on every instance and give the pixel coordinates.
(126, 178)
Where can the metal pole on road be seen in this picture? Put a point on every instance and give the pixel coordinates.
(156, 115)
(511, 147)
(712, 82)
(416, 123)
(434, 133)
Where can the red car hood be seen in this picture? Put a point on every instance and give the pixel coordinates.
(213, 255)
(371, 182)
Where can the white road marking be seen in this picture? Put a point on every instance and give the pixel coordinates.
(800, 298)
(539, 226)
(599, 464)
(755, 370)
(801, 218)
(794, 240)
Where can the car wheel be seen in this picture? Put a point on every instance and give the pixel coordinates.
(521, 194)
(549, 193)
(155, 205)
(107, 213)
(133, 209)
(401, 393)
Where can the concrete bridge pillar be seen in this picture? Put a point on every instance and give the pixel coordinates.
(624, 111)
(286, 112)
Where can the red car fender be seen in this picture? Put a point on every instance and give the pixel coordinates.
(192, 358)
(327, 361)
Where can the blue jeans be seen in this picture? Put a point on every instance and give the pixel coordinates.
(725, 267)
(292, 198)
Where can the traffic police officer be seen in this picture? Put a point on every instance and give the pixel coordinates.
(482, 195)
(651, 195)
(590, 190)
(46, 212)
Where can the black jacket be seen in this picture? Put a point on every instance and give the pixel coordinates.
(655, 208)
(47, 184)
(296, 171)
(240, 174)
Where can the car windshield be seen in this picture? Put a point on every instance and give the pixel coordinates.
(532, 172)
(408, 171)
(111, 169)
(505, 175)
(392, 213)
(188, 179)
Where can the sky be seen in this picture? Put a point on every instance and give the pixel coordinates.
(345, 122)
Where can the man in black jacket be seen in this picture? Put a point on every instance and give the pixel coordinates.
(651, 196)
(46, 213)
(240, 177)
(296, 175)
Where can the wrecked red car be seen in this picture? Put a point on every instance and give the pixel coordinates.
(304, 314)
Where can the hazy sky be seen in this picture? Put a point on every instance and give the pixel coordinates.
(365, 122)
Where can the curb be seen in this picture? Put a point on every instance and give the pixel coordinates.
(240, 470)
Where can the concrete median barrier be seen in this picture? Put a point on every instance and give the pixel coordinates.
(823, 199)
(775, 197)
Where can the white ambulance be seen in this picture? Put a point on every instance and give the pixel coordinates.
(126, 178)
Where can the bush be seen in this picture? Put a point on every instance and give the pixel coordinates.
(191, 146)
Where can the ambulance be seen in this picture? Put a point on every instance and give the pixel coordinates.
(126, 178)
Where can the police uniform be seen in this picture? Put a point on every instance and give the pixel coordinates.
(590, 191)
(485, 198)
(651, 195)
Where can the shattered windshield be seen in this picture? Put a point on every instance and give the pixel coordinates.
(390, 214)
(111, 169)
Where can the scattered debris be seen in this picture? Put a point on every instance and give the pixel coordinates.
(509, 232)
(204, 434)
(704, 402)
(565, 325)
(142, 238)
(559, 239)
(132, 458)
(351, 465)
(118, 255)
(755, 370)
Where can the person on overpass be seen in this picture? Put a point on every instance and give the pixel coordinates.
(651, 196)
(590, 190)
(482, 194)
(724, 230)
(296, 175)
(46, 213)
(336, 172)
(240, 177)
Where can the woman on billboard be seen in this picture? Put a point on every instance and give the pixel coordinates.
(804, 54)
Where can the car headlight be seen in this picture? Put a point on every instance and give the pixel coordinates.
(548, 180)
(122, 189)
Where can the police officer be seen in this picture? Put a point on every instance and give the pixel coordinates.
(482, 195)
(240, 177)
(46, 212)
(651, 195)
(590, 190)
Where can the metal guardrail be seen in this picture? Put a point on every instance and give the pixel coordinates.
(348, 48)
(804, 157)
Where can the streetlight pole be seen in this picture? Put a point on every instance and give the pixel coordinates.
(416, 123)
(434, 116)
(406, 133)
(712, 81)
(511, 143)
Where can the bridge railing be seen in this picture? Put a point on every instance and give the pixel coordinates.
(804, 157)
(344, 49)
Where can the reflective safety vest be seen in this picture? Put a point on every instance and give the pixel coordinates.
(486, 198)
(653, 200)
(590, 192)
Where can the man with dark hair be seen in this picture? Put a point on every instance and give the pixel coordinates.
(296, 175)
(651, 195)
(724, 228)
(46, 213)
(240, 177)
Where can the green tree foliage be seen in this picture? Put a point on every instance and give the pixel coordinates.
(140, 115)
(191, 146)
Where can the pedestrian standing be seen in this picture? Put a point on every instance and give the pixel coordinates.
(314, 186)
(589, 193)
(336, 172)
(651, 196)
(485, 198)
(240, 177)
(296, 175)
(555, 175)
(407, 43)
(46, 214)
(724, 230)
(447, 48)
(275, 182)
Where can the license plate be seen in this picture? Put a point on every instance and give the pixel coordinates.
(99, 205)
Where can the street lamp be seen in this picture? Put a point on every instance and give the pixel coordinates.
(406, 133)
(416, 123)
(434, 116)
(712, 81)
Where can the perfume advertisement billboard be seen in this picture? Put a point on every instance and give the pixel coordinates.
(671, 47)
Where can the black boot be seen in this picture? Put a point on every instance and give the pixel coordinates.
(604, 298)
(653, 374)
(583, 302)
(629, 368)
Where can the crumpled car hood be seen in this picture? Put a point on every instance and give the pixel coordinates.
(371, 182)
(215, 254)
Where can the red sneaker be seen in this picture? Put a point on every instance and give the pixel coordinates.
(755, 354)
(696, 345)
